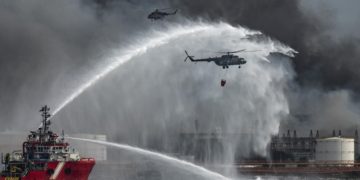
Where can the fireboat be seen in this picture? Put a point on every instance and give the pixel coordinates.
(45, 156)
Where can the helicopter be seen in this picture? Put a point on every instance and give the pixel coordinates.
(226, 60)
(160, 14)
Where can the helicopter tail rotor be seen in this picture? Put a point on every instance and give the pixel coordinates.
(188, 57)
(174, 12)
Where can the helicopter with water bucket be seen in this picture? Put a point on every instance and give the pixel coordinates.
(226, 60)
(160, 14)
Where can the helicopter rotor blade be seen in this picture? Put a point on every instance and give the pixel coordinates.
(169, 8)
(231, 52)
(253, 51)
(242, 50)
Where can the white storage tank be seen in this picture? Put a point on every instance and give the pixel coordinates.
(335, 150)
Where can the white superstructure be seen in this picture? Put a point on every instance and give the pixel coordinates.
(11, 141)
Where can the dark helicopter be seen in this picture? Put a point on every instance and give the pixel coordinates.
(160, 14)
(226, 60)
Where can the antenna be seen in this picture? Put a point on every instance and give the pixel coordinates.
(62, 135)
(317, 134)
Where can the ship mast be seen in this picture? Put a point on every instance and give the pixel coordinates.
(45, 122)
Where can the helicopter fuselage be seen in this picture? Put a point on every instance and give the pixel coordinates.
(228, 60)
(157, 15)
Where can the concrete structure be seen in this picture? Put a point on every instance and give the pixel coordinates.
(335, 149)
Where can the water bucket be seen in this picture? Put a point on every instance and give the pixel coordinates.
(223, 82)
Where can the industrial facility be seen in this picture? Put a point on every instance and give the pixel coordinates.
(335, 148)
(288, 153)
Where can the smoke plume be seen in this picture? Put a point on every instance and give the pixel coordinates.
(327, 62)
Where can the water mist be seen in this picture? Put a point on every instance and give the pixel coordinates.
(119, 57)
(157, 95)
(176, 163)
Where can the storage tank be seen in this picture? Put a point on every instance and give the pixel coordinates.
(335, 150)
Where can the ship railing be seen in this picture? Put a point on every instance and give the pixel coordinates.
(10, 174)
(25, 172)
(37, 165)
(14, 169)
(87, 159)
(298, 164)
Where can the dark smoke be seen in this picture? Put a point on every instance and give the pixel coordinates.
(325, 63)
(322, 61)
(45, 47)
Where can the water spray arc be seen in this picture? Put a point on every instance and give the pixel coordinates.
(158, 38)
(198, 170)
(261, 84)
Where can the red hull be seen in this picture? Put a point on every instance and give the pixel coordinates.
(71, 170)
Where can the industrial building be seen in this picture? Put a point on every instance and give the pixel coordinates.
(334, 149)
(289, 153)
(208, 147)
(293, 148)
